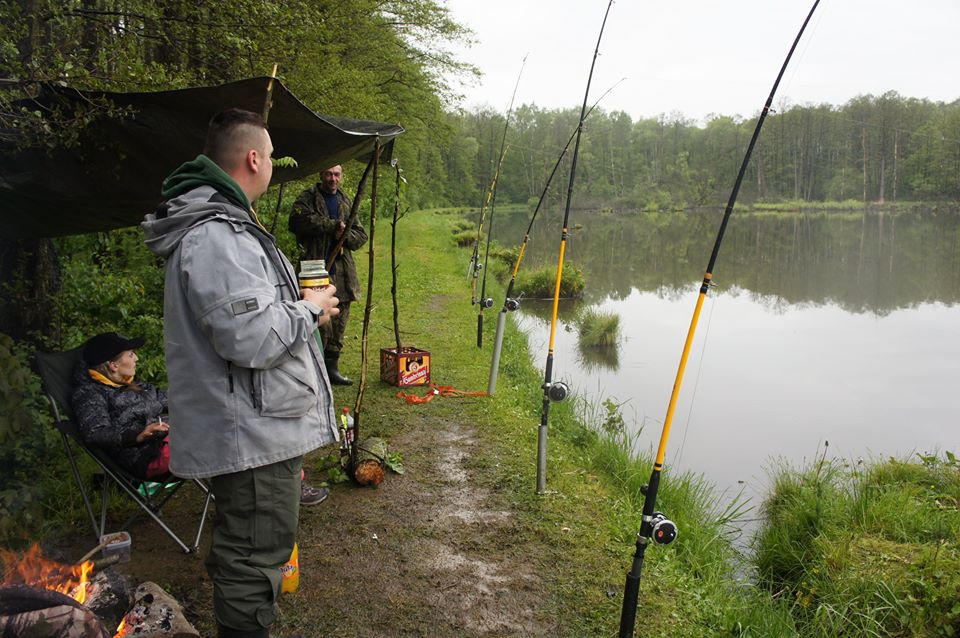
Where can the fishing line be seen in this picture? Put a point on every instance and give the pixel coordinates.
(696, 381)
(483, 301)
(803, 52)
(511, 304)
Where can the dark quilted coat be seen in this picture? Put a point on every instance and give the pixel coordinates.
(111, 418)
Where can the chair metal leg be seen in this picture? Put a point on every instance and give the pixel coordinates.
(104, 502)
(146, 508)
(203, 519)
(83, 490)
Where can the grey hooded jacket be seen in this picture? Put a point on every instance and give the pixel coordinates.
(246, 382)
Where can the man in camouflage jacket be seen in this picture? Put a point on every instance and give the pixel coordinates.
(318, 220)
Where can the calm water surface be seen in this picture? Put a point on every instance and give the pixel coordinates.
(839, 327)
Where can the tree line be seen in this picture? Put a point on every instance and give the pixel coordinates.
(872, 149)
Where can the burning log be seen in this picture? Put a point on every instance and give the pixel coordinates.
(155, 614)
(109, 596)
(371, 459)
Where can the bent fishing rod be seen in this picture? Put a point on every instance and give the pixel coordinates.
(655, 525)
(558, 391)
(511, 303)
(483, 301)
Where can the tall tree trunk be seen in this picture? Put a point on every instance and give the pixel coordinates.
(30, 273)
(883, 178)
(896, 157)
(31, 39)
(863, 145)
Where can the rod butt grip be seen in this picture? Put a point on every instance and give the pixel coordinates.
(628, 614)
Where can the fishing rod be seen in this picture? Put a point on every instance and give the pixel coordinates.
(352, 218)
(556, 391)
(362, 384)
(654, 525)
(513, 303)
(483, 301)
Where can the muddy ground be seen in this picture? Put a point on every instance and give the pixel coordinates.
(434, 552)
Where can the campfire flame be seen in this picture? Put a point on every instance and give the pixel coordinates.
(33, 569)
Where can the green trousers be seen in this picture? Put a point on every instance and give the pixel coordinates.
(332, 332)
(253, 536)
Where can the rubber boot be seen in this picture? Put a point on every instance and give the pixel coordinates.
(332, 360)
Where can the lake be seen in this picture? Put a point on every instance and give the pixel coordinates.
(837, 327)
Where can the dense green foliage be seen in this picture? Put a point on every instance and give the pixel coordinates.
(885, 148)
(375, 59)
(866, 551)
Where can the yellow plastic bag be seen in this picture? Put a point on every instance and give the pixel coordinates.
(290, 573)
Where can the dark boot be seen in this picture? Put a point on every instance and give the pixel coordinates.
(332, 360)
(227, 632)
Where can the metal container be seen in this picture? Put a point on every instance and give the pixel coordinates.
(313, 274)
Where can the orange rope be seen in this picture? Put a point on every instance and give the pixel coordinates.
(438, 390)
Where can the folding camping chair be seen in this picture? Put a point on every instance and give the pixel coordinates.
(56, 372)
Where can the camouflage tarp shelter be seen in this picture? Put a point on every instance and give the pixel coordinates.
(112, 177)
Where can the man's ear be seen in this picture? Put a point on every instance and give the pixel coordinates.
(253, 160)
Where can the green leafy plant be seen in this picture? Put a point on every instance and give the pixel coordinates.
(394, 461)
(284, 162)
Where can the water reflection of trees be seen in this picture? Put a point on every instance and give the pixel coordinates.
(863, 261)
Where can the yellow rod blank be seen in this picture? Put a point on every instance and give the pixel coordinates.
(556, 291)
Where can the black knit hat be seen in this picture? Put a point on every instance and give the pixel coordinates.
(108, 345)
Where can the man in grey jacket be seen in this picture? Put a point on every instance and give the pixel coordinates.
(249, 393)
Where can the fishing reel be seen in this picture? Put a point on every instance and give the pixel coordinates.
(486, 303)
(556, 391)
(664, 530)
(512, 304)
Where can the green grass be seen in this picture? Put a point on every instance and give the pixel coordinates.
(540, 282)
(461, 225)
(598, 329)
(866, 550)
(464, 238)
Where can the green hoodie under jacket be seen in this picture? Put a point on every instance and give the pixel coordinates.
(203, 171)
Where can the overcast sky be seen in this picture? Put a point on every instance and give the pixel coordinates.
(705, 56)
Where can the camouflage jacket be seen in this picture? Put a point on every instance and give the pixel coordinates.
(316, 233)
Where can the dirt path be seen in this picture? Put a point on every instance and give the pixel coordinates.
(429, 553)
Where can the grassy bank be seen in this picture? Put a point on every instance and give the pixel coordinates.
(866, 550)
(589, 519)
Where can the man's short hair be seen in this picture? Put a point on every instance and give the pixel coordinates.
(229, 136)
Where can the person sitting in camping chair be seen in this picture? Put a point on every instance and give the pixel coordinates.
(117, 414)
